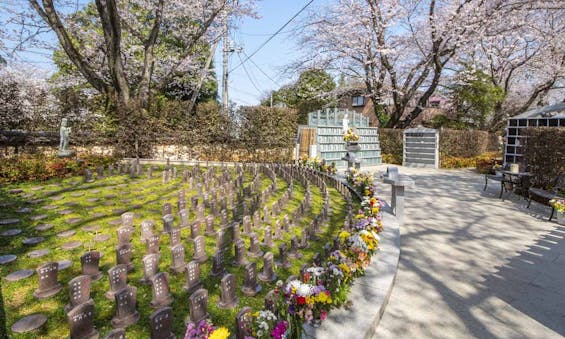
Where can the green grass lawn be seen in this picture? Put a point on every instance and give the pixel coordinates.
(145, 198)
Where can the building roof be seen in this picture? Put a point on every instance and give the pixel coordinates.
(551, 111)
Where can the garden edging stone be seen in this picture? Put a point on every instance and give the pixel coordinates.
(369, 294)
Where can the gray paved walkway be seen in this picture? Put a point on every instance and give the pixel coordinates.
(472, 265)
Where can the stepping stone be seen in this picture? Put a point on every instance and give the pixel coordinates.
(32, 241)
(56, 197)
(93, 199)
(108, 203)
(43, 227)
(137, 206)
(7, 258)
(110, 196)
(6, 203)
(39, 217)
(90, 208)
(9, 221)
(29, 323)
(50, 207)
(115, 222)
(34, 202)
(24, 210)
(73, 221)
(65, 212)
(119, 211)
(11, 232)
(66, 234)
(71, 245)
(15, 191)
(101, 237)
(122, 185)
(91, 228)
(38, 253)
(27, 195)
(37, 188)
(71, 204)
(19, 275)
(99, 215)
(64, 264)
(125, 201)
(74, 183)
(77, 194)
(94, 191)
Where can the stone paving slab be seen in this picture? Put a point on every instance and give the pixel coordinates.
(472, 265)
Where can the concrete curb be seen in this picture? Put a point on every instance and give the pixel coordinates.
(369, 294)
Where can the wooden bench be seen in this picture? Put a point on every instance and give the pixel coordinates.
(544, 196)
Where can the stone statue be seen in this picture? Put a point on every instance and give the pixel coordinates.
(64, 134)
(345, 123)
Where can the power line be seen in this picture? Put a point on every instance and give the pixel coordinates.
(260, 70)
(274, 35)
(249, 76)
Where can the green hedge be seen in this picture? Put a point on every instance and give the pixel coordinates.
(544, 154)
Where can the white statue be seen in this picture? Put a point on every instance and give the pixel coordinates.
(64, 133)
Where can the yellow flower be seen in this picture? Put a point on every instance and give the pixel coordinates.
(220, 333)
(344, 235)
(344, 268)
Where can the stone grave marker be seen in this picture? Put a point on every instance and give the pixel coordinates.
(198, 306)
(221, 242)
(254, 249)
(124, 235)
(81, 322)
(48, 285)
(168, 223)
(240, 253)
(88, 176)
(184, 217)
(178, 255)
(147, 227)
(228, 298)
(193, 282)
(174, 237)
(150, 267)
(294, 253)
(150, 172)
(100, 172)
(117, 276)
(268, 237)
(161, 323)
(266, 215)
(90, 265)
(246, 225)
(127, 219)
(244, 323)
(160, 287)
(303, 239)
(218, 267)
(200, 249)
(167, 209)
(194, 202)
(79, 292)
(235, 231)
(224, 217)
(126, 312)
(195, 229)
(210, 226)
(278, 230)
(268, 274)
(165, 177)
(152, 245)
(123, 256)
(250, 285)
(283, 256)
(256, 220)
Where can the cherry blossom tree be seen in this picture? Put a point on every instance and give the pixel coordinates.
(403, 49)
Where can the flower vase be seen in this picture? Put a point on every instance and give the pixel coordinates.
(561, 218)
(353, 146)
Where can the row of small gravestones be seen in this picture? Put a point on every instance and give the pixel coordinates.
(80, 317)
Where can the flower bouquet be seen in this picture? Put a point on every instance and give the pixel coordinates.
(350, 136)
(205, 330)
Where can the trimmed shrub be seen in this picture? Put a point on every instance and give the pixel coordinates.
(391, 145)
(544, 154)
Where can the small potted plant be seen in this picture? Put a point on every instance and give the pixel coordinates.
(559, 206)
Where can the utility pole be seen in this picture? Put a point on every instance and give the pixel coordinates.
(225, 70)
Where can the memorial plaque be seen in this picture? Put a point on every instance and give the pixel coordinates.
(250, 285)
(124, 235)
(268, 274)
(160, 288)
(193, 282)
(127, 219)
(81, 322)
(177, 254)
(152, 245)
(90, 265)
(174, 237)
(150, 267)
(240, 253)
(118, 277)
(79, 292)
(123, 256)
(161, 323)
(198, 306)
(218, 267)
(200, 249)
(147, 227)
(228, 298)
(126, 313)
(48, 284)
(254, 249)
(168, 223)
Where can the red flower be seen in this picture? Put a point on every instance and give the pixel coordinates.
(301, 300)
